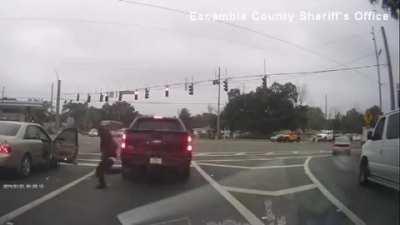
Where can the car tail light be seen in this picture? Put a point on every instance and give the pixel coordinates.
(5, 148)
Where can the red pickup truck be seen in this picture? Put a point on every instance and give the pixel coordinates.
(156, 142)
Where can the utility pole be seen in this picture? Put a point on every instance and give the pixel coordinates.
(219, 101)
(265, 73)
(51, 96)
(58, 104)
(391, 83)
(377, 53)
(326, 106)
(3, 89)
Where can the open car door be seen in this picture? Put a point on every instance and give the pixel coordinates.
(66, 145)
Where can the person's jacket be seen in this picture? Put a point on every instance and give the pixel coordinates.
(108, 146)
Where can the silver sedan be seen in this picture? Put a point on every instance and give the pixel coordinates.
(24, 145)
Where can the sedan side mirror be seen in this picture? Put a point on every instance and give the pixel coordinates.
(369, 135)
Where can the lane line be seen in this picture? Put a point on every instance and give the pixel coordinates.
(89, 160)
(245, 212)
(173, 221)
(351, 215)
(13, 214)
(251, 167)
(89, 153)
(241, 153)
(251, 159)
(272, 193)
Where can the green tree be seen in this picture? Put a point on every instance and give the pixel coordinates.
(76, 111)
(186, 118)
(393, 6)
(119, 111)
(315, 118)
(352, 121)
(264, 110)
(375, 112)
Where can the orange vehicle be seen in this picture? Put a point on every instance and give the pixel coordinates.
(293, 136)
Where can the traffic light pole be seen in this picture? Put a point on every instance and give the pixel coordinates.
(391, 84)
(218, 107)
(58, 104)
(377, 68)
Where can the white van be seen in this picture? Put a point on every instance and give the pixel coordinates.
(380, 154)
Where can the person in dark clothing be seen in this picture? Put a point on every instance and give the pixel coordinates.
(108, 149)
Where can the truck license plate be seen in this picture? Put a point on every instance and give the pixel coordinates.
(154, 160)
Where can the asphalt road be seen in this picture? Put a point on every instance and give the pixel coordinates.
(232, 182)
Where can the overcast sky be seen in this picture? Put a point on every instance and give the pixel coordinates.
(98, 45)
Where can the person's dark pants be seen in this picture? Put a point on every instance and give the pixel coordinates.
(104, 166)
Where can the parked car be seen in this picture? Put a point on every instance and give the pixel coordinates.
(357, 137)
(287, 136)
(151, 143)
(278, 138)
(25, 145)
(341, 144)
(380, 153)
(93, 133)
(324, 135)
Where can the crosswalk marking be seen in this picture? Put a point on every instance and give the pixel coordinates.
(272, 193)
(250, 167)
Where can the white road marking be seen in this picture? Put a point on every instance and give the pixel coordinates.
(251, 159)
(269, 153)
(245, 212)
(89, 153)
(11, 215)
(200, 154)
(173, 221)
(241, 153)
(251, 167)
(272, 193)
(295, 152)
(353, 217)
(89, 160)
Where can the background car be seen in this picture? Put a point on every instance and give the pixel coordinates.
(341, 144)
(25, 145)
(93, 133)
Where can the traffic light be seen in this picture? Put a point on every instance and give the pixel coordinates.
(120, 96)
(167, 92)
(226, 85)
(77, 97)
(146, 93)
(191, 88)
(136, 95)
(88, 98)
(264, 82)
(101, 97)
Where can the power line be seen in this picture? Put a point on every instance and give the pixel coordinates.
(240, 27)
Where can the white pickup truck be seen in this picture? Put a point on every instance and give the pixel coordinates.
(324, 135)
(380, 153)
